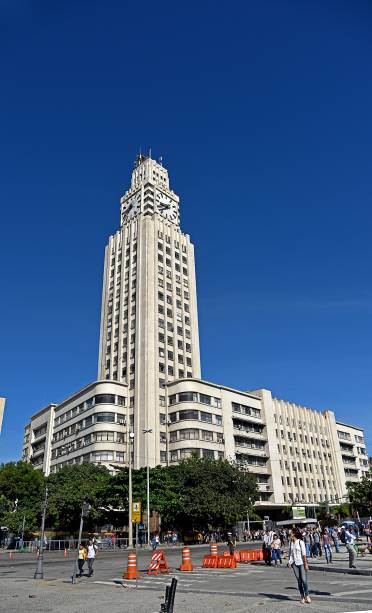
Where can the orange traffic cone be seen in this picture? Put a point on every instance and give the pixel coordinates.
(214, 549)
(186, 560)
(65, 553)
(131, 572)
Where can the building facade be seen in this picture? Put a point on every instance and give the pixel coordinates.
(149, 323)
(149, 381)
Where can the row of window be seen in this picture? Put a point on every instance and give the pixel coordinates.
(195, 397)
(249, 443)
(196, 416)
(195, 434)
(89, 439)
(183, 454)
(304, 466)
(250, 460)
(247, 426)
(245, 410)
(292, 436)
(305, 452)
(97, 418)
(296, 423)
(299, 481)
(88, 404)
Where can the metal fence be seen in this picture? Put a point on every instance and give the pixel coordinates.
(62, 544)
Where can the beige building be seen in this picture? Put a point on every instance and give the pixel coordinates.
(149, 380)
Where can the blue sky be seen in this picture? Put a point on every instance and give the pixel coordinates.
(262, 113)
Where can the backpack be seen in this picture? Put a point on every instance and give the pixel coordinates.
(343, 536)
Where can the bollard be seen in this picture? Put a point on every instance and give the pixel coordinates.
(214, 549)
(10, 555)
(170, 593)
(186, 560)
(131, 572)
(65, 553)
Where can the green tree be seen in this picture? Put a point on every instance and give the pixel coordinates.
(216, 493)
(21, 495)
(69, 488)
(360, 495)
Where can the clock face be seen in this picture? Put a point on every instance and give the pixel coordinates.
(166, 206)
(131, 207)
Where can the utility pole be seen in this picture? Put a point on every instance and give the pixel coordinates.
(130, 493)
(39, 572)
(148, 431)
(84, 513)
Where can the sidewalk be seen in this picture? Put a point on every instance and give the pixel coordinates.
(340, 564)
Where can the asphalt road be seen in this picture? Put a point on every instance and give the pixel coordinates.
(252, 587)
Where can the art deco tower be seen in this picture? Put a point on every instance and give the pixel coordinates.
(149, 322)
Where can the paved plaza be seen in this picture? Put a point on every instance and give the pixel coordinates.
(251, 587)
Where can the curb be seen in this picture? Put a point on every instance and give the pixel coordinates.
(347, 571)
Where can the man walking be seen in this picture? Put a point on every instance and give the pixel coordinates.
(267, 541)
(92, 550)
(349, 539)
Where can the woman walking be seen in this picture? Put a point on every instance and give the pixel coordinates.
(81, 559)
(298, 561)
(326, 541)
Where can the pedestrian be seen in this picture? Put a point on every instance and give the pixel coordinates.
(230, 543)
(266, 546)
(92, 551)
(307, 540)
(349, 539)
(81, 558)
(326, 542)
(335, 539)
(316, 544)
(276, 550)
(154, 542)
(298, 561)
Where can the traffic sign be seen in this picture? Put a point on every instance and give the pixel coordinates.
(136, 512)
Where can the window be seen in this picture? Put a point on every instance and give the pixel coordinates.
(188, 397)
(173, 399)
(104, 417)
(189, 434)
(246, 410)
(218, 420)
(188, 453)
(102, 456)
(206, 417)
(105, 399)
(204, 399)
(188, 415)
(206, 435)
(208, 453)
(104, 436)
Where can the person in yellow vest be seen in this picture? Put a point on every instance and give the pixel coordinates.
(81, 558)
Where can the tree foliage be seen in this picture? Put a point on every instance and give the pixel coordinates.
(194, 494)
(360, 495)
(21, 494)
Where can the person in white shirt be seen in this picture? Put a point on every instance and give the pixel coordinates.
(298, 561)
(267, 541)
(349, 539)
(92, 550)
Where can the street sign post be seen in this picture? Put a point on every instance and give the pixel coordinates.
(136, 512)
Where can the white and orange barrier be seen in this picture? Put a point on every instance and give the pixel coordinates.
(186, 560)
(131, 572)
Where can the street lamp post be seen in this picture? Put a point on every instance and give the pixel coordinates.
(130, 493)
(148, 431)
(39, 572)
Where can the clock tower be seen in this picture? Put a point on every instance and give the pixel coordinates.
(149, 322)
